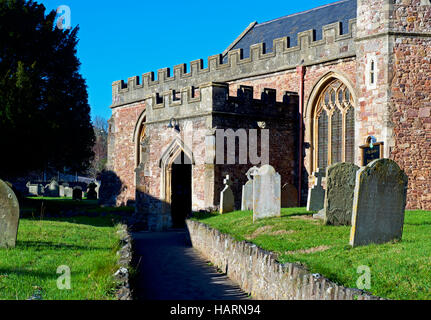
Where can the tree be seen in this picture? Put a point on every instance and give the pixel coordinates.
(100, 149)
(44, 111)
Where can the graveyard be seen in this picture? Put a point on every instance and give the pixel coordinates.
(42, 233)
(400, 270)
(87, 245)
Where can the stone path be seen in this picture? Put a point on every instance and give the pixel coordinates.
(171, 269)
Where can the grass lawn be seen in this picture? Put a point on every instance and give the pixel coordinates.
(398, 270)
(87, 245)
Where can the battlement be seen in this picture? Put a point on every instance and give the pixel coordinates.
(332, 46)
(213, 97)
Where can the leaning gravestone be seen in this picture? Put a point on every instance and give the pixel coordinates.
(77, 193)
(340, 188)
(266, 193)
(9, 216)
(227, 201)
(289, 196)
(379, 203)
(316, 194)
(247, 191)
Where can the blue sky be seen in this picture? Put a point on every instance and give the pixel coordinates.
(121, 39)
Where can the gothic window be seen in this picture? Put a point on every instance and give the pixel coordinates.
(334, 126)
(142, 144)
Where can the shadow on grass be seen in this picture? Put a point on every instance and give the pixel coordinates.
(30, 273)
(47, 245)
(96, 221)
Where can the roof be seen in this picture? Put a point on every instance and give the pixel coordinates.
(291, 25)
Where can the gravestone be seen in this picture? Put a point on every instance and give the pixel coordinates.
(68, 192)
(52, 189)
(289, 196)
(9, 216)
(340, 188)
(77, 193)
(316, 194)
(91, 193)
(34, 189)
(97, 188)
(379, 203)
(62, 189)
(227, 200)
(247, 191)
(110, 188)
(266, 193)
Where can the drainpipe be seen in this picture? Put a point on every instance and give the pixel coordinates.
(300, 70)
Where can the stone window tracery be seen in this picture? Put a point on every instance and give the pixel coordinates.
(334, 126)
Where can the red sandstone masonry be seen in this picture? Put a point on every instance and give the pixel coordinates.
(411, 99)
(289, 81)
(124, 165)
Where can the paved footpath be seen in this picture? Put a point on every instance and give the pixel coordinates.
(171, 269)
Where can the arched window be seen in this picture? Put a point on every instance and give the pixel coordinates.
(142, 144)
(334, 126)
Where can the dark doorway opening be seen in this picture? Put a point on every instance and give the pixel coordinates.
(181, 186)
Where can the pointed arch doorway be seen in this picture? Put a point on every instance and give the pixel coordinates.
(177, 182)
(180, 190)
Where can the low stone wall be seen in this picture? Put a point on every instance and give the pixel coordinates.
(122, 276)
(258, 273)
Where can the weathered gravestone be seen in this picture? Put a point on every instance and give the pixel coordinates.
(316, 194)
(340, 188)
(227, 200)
(77, 193)
(9, 216)
(266, 193)
(91, 193)
(52, 189)
(62, 188)
(289, 196)
(247, 191)
(379, 203)
(35, 189)
(110, 188)
(68, 192)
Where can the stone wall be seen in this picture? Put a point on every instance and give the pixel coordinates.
(411, 98)
(258, 273)
(122, 149)
(396, 36)
(289, 81)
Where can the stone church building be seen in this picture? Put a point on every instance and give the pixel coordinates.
(321, 82)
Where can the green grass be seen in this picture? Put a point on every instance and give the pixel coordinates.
(87, 245)
(398, 270)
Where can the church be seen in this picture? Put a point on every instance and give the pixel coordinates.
(312, 89)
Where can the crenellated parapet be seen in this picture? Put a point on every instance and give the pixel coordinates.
(333, 45)
(213, 98)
